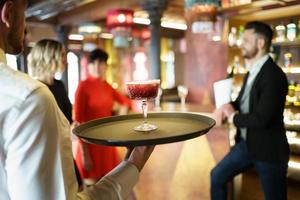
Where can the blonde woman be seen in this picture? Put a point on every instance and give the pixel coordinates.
(47, 58)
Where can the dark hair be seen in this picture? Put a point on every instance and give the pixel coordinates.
(98, 54)
(263, 30)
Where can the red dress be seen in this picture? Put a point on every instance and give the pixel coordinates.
(94, 99)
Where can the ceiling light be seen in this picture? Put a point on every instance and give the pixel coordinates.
(139, 20)
(119, 22)
(89, 28)
(174, 25)
(76, 37)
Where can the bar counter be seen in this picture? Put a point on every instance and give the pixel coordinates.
(182, 170)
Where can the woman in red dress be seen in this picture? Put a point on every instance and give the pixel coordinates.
(94, 99)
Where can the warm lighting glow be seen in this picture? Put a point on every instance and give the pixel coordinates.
(294, 164)
(202, 27)
(121, 18)
(89, 29)
(76, 37)
(75, 46)
(30, 44)
(201, 12)
(140, 73)
(174, 25)
(73, 75)
(12, 61)
(164, 23)
(294, 140)
(139, 20)
(203, 9)
(280, 28)
(292, 70)
(145, 34)
(216, 38)
(106, 35)
(119, 22)
(202, 15)
(115, 85)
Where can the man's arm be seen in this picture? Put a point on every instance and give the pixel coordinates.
(116, 185)
(119, 182)
(39, 161)
(120, 98)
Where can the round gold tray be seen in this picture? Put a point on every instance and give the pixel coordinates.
(118, 130)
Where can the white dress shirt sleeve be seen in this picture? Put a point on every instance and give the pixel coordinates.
(114, 186)
(39, 162)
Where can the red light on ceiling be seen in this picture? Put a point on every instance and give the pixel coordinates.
(119, 18)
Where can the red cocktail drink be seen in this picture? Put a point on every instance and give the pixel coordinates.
(143, 90)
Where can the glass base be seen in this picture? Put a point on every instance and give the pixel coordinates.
(145, 128)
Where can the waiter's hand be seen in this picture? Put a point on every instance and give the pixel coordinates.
(139, 155)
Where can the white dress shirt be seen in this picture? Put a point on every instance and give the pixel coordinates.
(244, 102)
(35, 148)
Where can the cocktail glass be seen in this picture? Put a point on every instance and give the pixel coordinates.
(143, 90)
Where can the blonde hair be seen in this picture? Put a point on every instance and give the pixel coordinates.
(45, 59)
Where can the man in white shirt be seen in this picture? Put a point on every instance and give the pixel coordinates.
(257, 113)
(35, 149)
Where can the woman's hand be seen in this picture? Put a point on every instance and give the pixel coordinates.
(123, 110)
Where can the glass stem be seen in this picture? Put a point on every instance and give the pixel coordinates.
(182, 100)
(145, 110)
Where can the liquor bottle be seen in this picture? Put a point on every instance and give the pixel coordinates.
(287, 59)
(231, 73)
(234, 68)
(240, 35)
(297, 95)
(280, 32)
(232, 37)
(298, 36)
(291, 31)
(290, 97)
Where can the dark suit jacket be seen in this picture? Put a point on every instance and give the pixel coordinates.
(266, 138)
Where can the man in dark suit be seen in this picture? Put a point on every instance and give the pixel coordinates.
(257, 114)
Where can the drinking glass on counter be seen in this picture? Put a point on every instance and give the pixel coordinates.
(182, 93)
